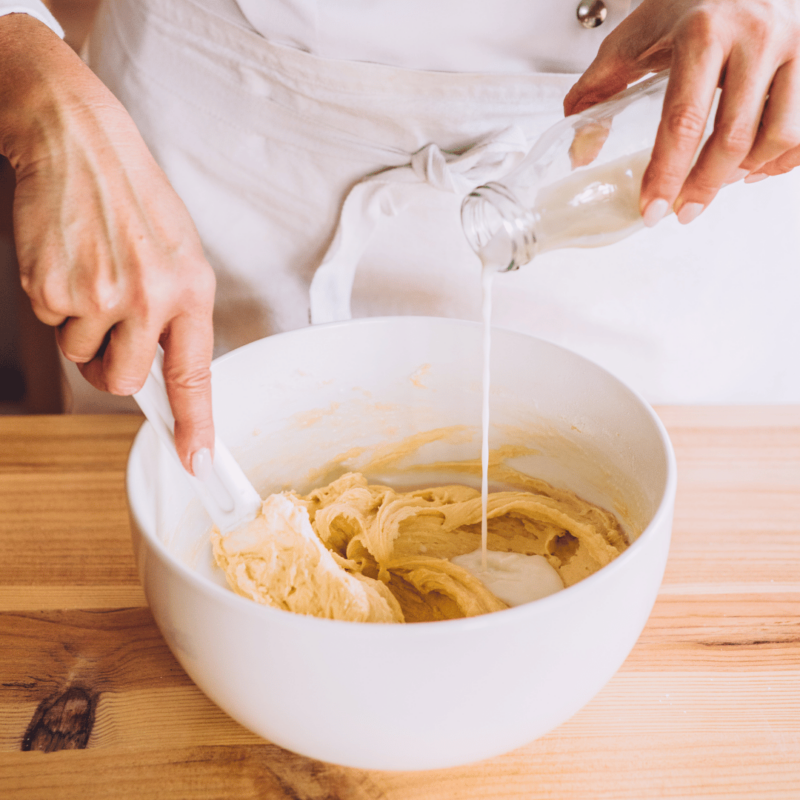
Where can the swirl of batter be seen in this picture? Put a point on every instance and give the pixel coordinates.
(355, 551)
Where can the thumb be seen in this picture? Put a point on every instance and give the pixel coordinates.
(628, 53)
(604, 78)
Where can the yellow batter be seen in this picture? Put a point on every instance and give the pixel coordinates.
(366, 553)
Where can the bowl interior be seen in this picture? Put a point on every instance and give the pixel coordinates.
(298, 409)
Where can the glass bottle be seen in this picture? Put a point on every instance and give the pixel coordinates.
(578, 186)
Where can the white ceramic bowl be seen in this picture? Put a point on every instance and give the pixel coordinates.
(426, 695)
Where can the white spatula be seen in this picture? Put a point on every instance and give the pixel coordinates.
(227, 494)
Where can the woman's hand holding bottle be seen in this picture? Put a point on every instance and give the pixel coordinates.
(749, 48)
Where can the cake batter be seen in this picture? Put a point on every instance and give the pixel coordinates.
(367, 553)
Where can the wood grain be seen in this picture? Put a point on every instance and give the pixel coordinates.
(62, 500)
(706, 706)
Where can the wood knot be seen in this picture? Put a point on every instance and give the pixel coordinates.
(63, 722)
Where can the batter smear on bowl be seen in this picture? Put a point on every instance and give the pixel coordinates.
(367, 553)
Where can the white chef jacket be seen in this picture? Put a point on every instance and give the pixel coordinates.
(33, 7)
(443, 35)
(514, 36)
(264, 142)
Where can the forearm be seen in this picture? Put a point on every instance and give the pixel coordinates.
(40, 76)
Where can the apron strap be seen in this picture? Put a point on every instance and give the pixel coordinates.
(389, 193)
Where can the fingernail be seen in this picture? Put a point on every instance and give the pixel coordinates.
(737, 176)
(756, 177)
(201, 464)
(689, 212)
(655, 212)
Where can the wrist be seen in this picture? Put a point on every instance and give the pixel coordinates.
(40, 78)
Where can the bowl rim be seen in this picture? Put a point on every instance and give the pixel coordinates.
(510, 616)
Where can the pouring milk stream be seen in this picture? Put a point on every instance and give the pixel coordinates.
(578, 187)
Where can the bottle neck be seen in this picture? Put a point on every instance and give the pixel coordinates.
(498, 228)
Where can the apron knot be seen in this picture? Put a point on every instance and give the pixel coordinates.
(460, 173)
(388, 193)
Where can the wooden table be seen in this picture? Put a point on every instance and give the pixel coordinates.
(707, 704)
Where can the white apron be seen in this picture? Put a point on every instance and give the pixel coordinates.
(264, 143)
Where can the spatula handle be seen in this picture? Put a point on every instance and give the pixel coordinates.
(226, 494)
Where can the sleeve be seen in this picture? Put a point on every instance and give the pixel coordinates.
(35, 8)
